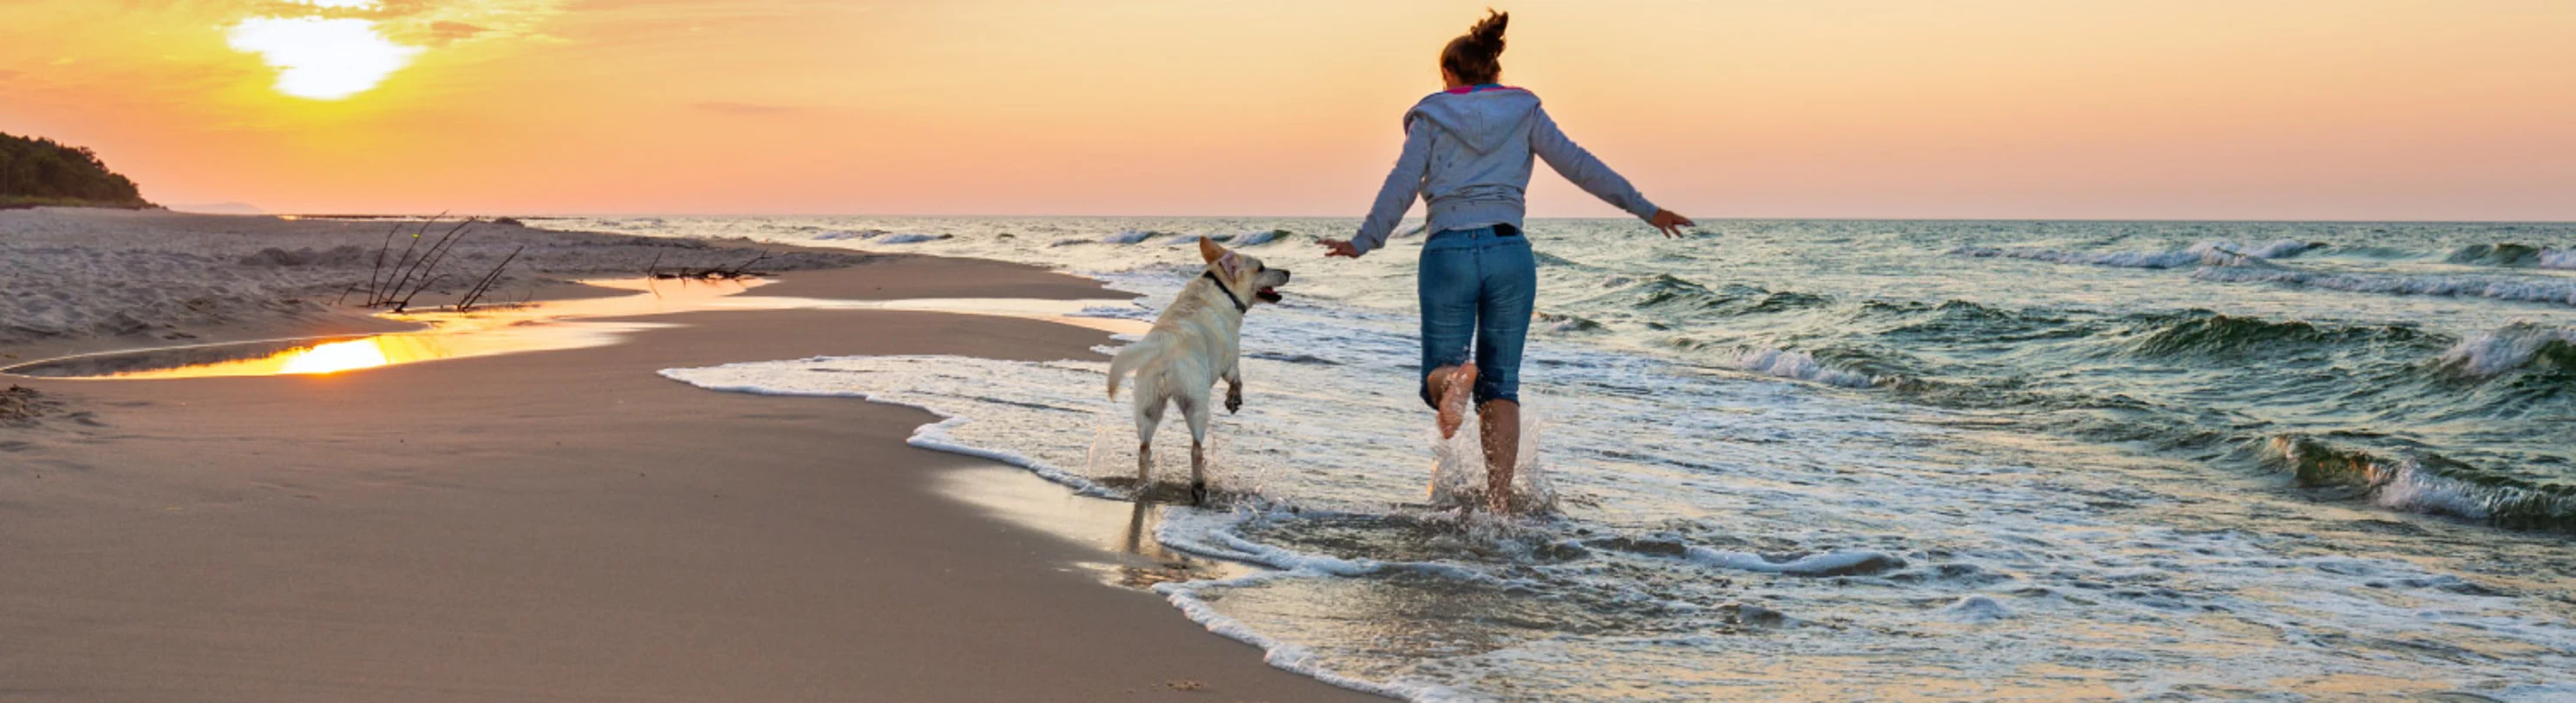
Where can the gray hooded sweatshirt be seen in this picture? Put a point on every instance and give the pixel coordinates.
(1467, 152)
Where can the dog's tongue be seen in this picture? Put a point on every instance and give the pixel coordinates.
(1268, 295)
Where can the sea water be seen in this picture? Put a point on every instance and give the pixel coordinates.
(1846, 460)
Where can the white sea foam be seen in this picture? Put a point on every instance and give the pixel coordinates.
(2500, 351)
(1800, 366)
(2411, 489)
(1287, 656)
(1458, 476)
(1826, 564)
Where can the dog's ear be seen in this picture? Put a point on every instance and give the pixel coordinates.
(1209, 250)
(1232, 264)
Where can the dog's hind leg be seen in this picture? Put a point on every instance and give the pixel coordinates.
(1149, 414)
(1197, 415)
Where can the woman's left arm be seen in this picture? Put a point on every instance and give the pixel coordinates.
(1576, 164)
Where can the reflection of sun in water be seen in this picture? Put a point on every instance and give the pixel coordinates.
(335, 357)
(322, 58)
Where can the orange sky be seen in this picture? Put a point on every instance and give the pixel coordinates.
(2162, 109)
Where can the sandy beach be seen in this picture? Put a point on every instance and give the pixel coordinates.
(557, 525)
(2025, 350)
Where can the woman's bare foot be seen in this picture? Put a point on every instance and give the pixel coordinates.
(1453, 386)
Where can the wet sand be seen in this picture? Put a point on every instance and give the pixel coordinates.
(568, 526)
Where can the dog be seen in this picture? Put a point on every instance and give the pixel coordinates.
(1196, 342)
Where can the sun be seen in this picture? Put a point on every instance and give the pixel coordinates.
(321, 58)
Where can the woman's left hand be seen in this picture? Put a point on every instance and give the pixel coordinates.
(1671, 223)
(1336, 247)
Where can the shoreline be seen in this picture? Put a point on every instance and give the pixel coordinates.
(568, 525)
(75, 280)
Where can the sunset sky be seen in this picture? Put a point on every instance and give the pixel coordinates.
(2149, 109)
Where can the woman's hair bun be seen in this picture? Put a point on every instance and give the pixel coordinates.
(1488, 32)
(1476, 57)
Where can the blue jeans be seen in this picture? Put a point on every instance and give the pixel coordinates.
(1478, 286)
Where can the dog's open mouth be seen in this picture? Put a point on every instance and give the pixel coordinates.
(1268, 295)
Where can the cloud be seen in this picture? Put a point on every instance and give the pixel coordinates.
(735, 108)
(321, 59)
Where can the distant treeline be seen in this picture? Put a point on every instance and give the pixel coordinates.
(44, 172)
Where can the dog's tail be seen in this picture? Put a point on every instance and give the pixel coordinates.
(1128, 358)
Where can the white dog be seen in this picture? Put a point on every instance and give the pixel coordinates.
(1193, 344)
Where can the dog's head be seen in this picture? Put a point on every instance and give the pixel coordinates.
(1242, 272)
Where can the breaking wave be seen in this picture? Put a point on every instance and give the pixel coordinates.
(2428, 483)
(2209, 253)
(2514, 256)
(2512, 348)
(1801, 366)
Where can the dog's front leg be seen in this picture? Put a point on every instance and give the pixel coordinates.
(1233, 389)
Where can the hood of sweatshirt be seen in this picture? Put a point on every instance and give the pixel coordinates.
(1482, 120)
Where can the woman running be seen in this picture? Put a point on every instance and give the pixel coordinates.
(1467, 151)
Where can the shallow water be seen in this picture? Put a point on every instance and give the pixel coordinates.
(1833, 460)
(514, 329)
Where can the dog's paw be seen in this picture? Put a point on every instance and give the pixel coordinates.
(1233, 402)
(1198, 493)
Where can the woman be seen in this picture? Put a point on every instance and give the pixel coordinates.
(1467, 151)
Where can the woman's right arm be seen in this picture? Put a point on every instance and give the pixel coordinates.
(1403, 186)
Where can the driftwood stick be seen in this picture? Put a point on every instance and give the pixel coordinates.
(430, 260)
(485, 285)
(402, 265)
(446, 244)
(411, 266)
(405, 302)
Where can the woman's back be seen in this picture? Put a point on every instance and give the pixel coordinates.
(1468, 152)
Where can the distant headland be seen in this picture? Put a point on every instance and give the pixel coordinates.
(35, 172)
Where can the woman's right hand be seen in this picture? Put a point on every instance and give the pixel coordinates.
(1670, 222)
(1337, 247)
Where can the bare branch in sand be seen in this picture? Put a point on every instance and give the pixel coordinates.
(416, 275)
(485, 285)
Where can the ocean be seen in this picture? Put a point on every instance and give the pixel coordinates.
(1845, 459)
